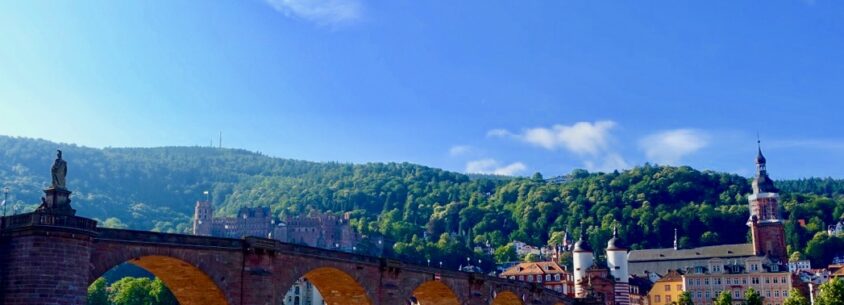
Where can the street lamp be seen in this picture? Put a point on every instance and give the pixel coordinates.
(429, 262)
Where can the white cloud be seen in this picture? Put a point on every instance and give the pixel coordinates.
(669, 147)
(499, 133)
(583, 138)
(459, 150)
(492, 166)
(322, 12)
(611, 162)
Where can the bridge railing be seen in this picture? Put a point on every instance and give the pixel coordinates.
(36, 219)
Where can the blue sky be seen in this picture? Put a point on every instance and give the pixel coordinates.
(507, 87)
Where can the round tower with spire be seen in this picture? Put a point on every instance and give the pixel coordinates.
(617, 263)
(583, 259)
(766, 226)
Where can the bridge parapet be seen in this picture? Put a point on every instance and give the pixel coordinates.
(36, 219)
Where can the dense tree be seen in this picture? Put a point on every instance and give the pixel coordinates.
(685, 298)
(97, 293)
(831, 293)
(795, 297)
(752, 297)
(130, 291)
(725, 298)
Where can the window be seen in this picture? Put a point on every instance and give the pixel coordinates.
(767, 280)
(706, 281)
(547, 277)
(679, 287)
(744, 281)
(776, 280)
(697, 282)
(699, 295)
(667, 287)
(755, 280)
(657, 299)
(512, 277)
(784, 293)
(521, 277)
(667, 298)
(736, 294)
(768, 293)
(776, 293)
(718, 281)
(708, 295)
(530, 278)
(557, 277)
(783, 280)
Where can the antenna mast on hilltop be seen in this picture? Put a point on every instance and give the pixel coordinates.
(221, 139)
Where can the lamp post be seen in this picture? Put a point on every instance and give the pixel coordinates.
(429, 262)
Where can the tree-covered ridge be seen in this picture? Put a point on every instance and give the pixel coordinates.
(427, 212)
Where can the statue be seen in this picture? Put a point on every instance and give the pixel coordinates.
(59, 171)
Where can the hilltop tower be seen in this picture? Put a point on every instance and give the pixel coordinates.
(202, 218)
(617, 263)
(583, 260)
(766, 226)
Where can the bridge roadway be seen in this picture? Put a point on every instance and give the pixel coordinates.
(52, 259)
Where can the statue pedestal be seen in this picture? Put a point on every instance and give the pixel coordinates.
(56, 201)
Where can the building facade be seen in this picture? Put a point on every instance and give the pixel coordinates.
(758, 273)
(316, 229)
(667, 289)
(303, 293)
(550, 274)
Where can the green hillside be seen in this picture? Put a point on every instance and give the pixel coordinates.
(155, 189)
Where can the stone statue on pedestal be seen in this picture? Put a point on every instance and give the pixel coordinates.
(59, 171)
(56, 198)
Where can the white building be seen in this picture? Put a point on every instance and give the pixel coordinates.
(800, 265)
(303, 293)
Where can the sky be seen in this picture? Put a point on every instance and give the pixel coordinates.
(505, 87)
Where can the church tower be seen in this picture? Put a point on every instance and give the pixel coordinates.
(202, 218)
(766, 226)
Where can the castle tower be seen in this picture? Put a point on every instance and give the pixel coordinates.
(617, 263)
(583, 259)
(766, 226)
(202, 218)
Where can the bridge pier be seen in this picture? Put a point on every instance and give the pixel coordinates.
(45, 259)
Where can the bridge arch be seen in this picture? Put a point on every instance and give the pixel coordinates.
(507, 297)
(336, 286)
(189, 284)
(435, 292)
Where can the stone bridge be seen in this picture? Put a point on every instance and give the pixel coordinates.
(52, 259)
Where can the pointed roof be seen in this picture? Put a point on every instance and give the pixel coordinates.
(760, 159)
(615, 244)
(762, 183)
(582, 245)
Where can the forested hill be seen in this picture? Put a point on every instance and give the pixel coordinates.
(155, 188)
